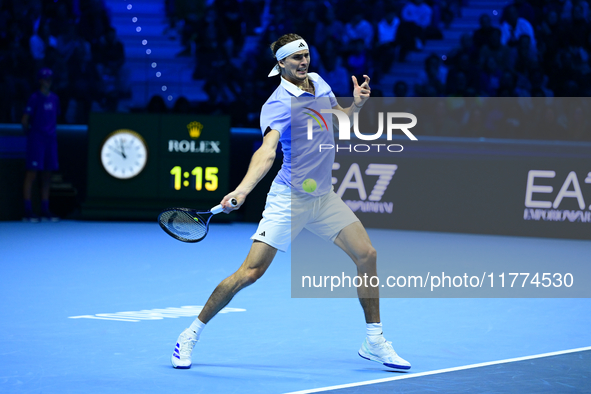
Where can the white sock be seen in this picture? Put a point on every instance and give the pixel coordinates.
(374, 331)
(197, 326)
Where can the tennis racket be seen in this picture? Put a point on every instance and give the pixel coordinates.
(188, 225)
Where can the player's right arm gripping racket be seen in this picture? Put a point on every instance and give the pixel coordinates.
(188, 225)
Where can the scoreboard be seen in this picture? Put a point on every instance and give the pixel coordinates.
(141, 163)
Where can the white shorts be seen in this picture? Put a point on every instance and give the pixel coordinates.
(288, 212)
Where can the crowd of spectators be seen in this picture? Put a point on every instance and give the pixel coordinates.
(539, 49)
(536, 48)
(231, 41)
(76, 40)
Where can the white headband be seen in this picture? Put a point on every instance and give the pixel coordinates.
(285, 51)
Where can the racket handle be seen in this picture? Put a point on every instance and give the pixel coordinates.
(219, 209)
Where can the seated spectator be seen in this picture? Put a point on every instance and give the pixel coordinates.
(318, 60)
(109, 51)
(330, 28)
(456, 84)
(549, 31)
(5, 22)
(384, 52)
(447, 10)
(568, 10)
(40, 41)
(278, 21)
(156, 105)
(387, 28)
(416, 17)
(182, 106)
(109, 56)
(358, 29)
(60, 85)
(514, 26)
(523, 88)
(337, 76)
(569, 76)
(94, 20)
(61, 19)
(525, 59)
(507, 85)
(400, 89)
(417, 12)
(433, 77)
(17, 68)
(400, 100)
(524, 10)
(68, 43)
(84, 86)
(222, 84)
(308, 17)
(466, 48)
(192, 15)
(469, 76)
(577, 31)
(229, 12)
(497, 50)
(490, 77)
(482, 35)
(358, 62)
(538, 84)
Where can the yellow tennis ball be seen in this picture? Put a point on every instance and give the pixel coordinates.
(309, 185)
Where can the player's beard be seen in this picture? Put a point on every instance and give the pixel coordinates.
(301, 74)
(297, 78)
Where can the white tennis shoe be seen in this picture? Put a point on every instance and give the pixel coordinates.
(383, 353)
(181, 357)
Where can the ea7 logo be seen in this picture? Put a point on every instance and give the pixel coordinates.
(354, 180)
(571, 188)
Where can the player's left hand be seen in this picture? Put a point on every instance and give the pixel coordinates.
(361, 93)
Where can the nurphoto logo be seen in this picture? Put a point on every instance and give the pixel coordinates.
(344, 127)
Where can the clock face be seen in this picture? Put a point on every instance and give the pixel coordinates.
(124, 154)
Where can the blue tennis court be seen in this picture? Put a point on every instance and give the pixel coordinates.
(97, 307)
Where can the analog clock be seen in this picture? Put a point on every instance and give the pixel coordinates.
(124, 154)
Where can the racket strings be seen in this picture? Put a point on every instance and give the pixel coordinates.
(184, 225)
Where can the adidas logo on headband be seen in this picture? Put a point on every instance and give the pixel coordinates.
(302, 45)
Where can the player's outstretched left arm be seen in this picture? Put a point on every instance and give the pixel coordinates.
(361, 94)
(260, 164)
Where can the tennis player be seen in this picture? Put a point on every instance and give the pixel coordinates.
(290, 207)
(39, 123)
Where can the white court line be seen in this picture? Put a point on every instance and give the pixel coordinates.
(438, 371)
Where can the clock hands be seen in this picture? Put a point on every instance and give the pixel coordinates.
(121, 151)
(116, 150)
(122, 148)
